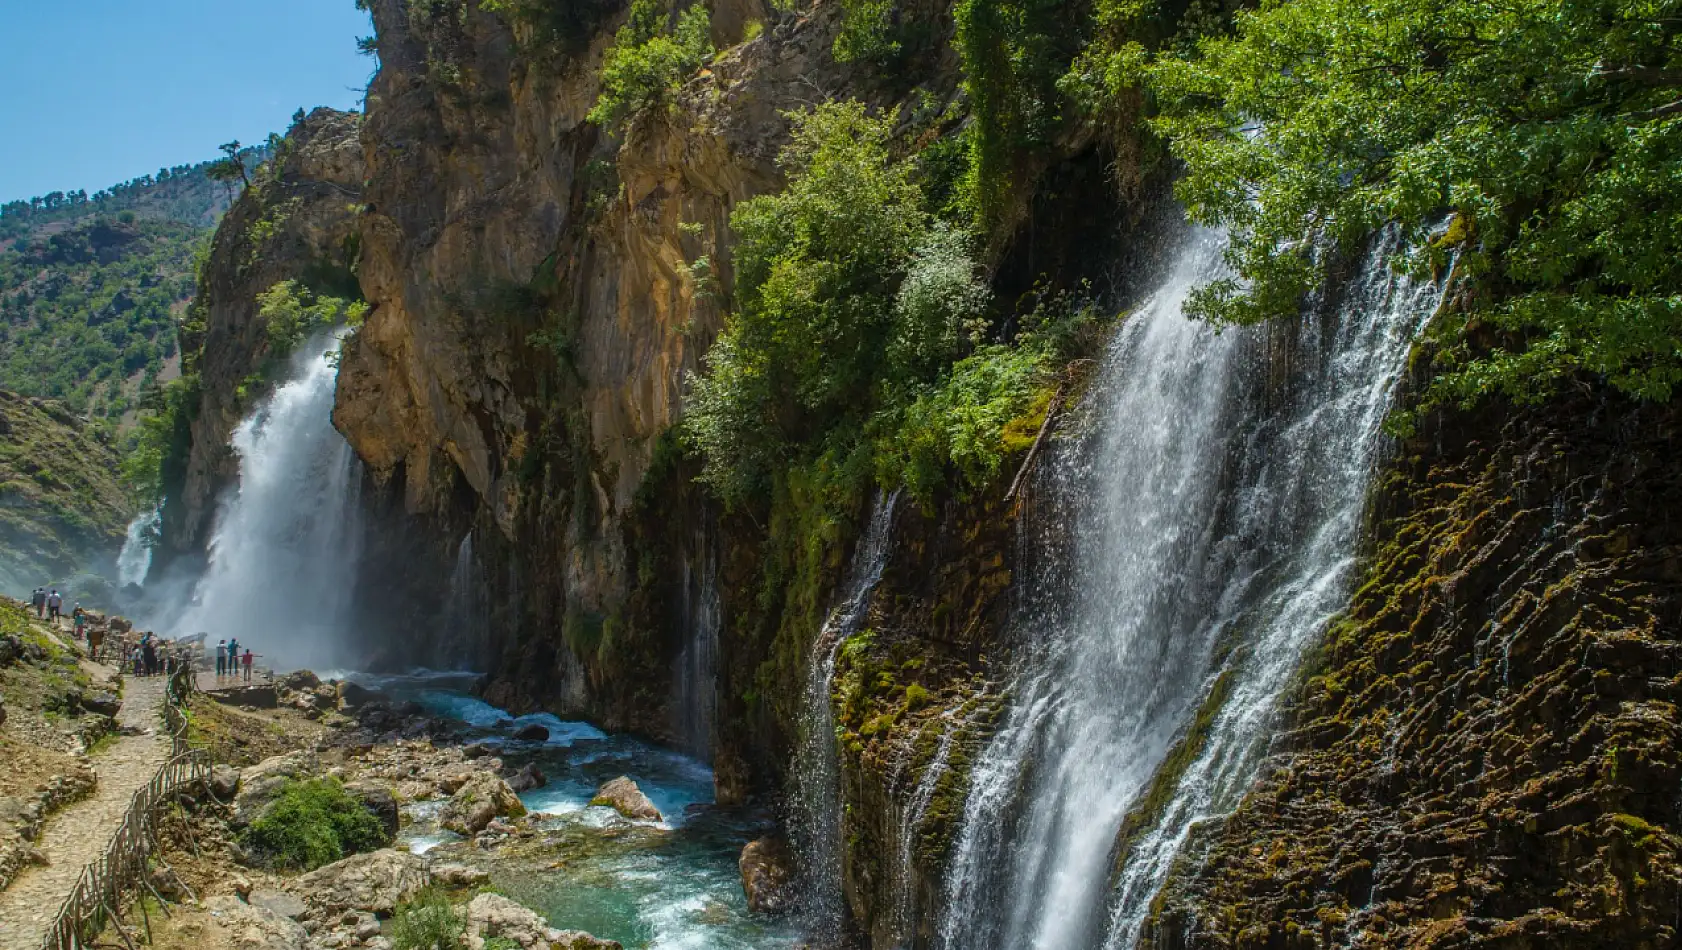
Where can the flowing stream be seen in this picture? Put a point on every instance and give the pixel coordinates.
(282, 573)
(1213, 513)
(816, 822)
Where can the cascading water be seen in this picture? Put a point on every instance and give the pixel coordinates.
(816, 823)
(282, 573)
(1214, 522)
(135, 559)
(467, 609)
(696, 702)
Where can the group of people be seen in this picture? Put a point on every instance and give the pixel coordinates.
(151, 657)
(47, 604)
(229, 661)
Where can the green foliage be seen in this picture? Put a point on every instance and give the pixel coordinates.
(866, 32)
(163, 435)
(559, 25)
(313, 823)
(648, 63)
(1013, 53)
(428, 922)
(292, 313)
(1550, 129)
(87, 315)
(854, 313)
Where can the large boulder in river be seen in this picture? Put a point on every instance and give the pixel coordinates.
(375, 882)
(532, 732)
(492, 916)
(624, 797)
(527, 778)
(482, 798)
(767, 867)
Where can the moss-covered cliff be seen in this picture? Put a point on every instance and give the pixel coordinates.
(1485, 752)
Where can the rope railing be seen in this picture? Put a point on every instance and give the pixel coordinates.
(106, 883)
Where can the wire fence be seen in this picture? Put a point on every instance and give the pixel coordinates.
(107, 884)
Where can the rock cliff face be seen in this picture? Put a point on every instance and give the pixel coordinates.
(297, 221)
(1486, 752)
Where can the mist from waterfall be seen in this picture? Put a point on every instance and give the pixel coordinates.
(467, 610)
(1213, 511)
(282, 574)
(816, 820)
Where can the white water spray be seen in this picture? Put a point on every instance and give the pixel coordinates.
(816, 824)
(282, 572)
(135, 559)
(1214, 520)
(696, 702)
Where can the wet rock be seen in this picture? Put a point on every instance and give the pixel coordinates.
(491, 916)
(280, 902)
(380, 801)
(223, 782)
(375, 882)
(483, 797)
(532, 732)
(623, 796)
(767, 867)
(352, 696)
(527, 778)
(249, 927)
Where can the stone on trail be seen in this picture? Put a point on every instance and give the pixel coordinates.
(624, 797)
(101, 703)
(255, 928)
(375, 882)
(483, 797)
(767, 875)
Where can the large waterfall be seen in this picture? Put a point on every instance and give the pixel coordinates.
(282, 574)
(1213, 512)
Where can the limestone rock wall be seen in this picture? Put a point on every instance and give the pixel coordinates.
(298, 221)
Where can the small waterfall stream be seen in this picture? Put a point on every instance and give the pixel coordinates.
(816, 824)
(135, 559)
(1214, 520)
(696, 702)
(467, 609)
(282, 573)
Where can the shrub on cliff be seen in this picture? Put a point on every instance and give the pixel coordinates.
(647, 62)
(313, 823)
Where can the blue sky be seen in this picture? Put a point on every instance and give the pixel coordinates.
(97, 92)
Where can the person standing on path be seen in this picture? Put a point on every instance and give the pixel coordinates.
(221, 658)
(55, 603)
(38, 602)
(233, 657)
(248, 658)
(96, 637)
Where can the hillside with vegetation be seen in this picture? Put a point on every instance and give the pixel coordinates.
(91, 288)
(63, 508)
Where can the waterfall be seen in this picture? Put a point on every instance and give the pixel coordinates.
(282, 572)
(467, 608)
(816, 819)
(135, 559)
(1213, 520)
(697, 665)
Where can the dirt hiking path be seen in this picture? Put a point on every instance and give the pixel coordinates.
(79, 833)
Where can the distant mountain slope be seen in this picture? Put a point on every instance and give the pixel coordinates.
(91, 288)
(62, 507)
